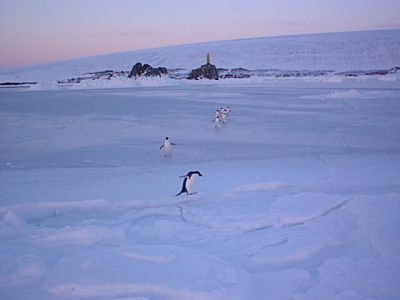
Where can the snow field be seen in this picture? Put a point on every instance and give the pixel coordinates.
(299, 199)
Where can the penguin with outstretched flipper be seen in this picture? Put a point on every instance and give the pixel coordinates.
(188, 182)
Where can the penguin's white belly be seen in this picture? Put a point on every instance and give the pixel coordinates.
(167, 149)
(189, 183)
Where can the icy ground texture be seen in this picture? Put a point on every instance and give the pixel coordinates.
(300, 197)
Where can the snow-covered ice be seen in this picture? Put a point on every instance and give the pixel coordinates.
(300, 197)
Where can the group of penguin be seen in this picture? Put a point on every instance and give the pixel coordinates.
(220, 117)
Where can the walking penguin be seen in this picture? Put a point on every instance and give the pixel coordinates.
(167, 147)
(188, 181)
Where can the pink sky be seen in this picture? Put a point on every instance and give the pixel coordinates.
(42, 31)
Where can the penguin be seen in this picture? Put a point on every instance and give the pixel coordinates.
(217, 122)
(188, 181)
(223, 116)
(167, 147)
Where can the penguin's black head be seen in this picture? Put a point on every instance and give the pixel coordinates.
(194, 173)
(166, 138)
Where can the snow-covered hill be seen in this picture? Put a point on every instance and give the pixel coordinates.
(364, 50)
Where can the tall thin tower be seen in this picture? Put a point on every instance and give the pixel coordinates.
(208, 58)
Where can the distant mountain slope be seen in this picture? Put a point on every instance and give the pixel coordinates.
(363, 50)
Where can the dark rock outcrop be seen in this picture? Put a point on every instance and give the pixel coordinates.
(11, 84)
(235, 73)
(106, 74)
(139, 70)
(208, 71)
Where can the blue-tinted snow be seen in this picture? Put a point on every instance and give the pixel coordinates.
(299, 199)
